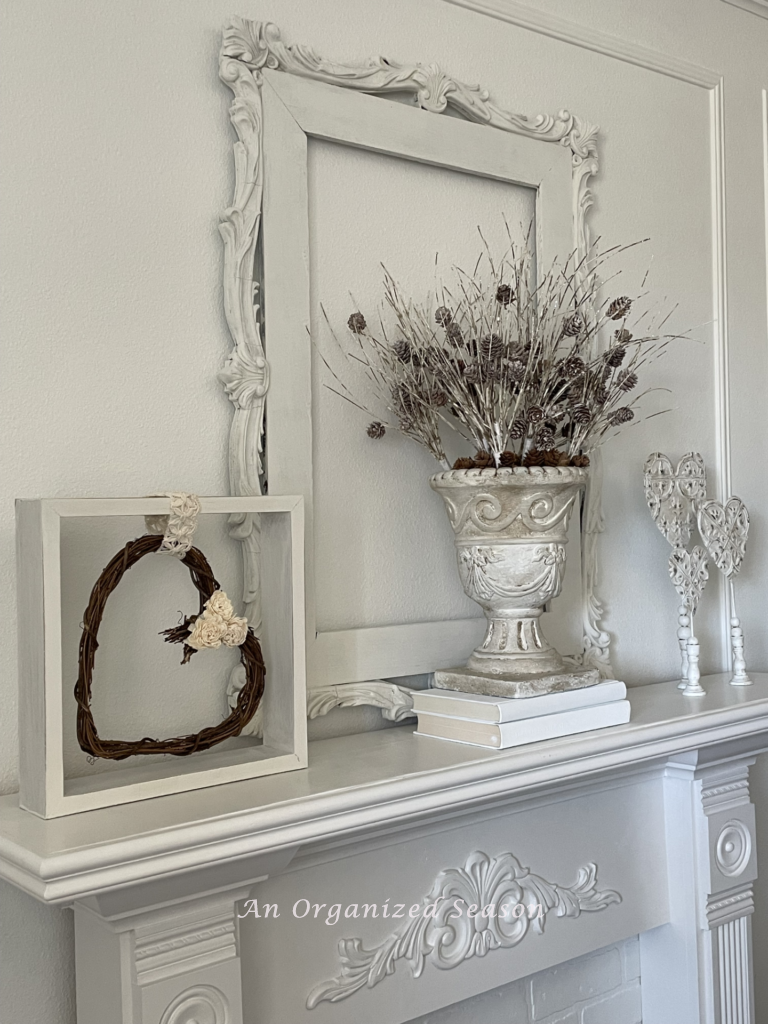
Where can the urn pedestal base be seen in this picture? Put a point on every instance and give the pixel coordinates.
(467, 681)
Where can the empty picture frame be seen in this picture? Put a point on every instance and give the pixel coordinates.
(47, 676)
(284, 96)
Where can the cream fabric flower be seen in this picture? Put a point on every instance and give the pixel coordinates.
(219, 604)
(237, 630)
(218, 624)
(208, 631)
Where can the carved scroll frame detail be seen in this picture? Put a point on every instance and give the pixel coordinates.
(248, 47)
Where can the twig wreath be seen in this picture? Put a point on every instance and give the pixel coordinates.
(209, 633)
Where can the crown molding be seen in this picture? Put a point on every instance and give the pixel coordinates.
(516, 13)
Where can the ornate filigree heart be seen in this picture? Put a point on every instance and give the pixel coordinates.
(689, 572)
(670, 492)
(724, 530)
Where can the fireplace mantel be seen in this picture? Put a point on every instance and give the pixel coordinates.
(151, 879)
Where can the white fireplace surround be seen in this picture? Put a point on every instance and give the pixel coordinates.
(641, 829)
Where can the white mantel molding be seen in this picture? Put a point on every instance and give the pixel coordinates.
(155, 885)
(397, 778)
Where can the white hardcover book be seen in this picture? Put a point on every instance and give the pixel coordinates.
(512, 709)
(528, 730)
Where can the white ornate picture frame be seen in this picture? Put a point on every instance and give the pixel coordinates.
(284, 95)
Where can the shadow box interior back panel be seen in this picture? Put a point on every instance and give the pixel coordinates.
(140, 688)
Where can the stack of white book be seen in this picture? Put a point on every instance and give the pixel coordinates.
(501, 722)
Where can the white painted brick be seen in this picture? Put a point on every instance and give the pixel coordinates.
(504, 1005)
(630, 955)
(623, 1007)
(561, 987)
(571, 1017)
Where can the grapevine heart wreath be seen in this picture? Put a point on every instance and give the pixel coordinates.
(214, 625)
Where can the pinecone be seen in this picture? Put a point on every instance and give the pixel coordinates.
(534, 414)
(518, 429)
(581, 414)
(406, 404)
(580, 461)
(573, 325)
(464, 463)
(376, 430)
(601, 394)
(627, 380)
(553, 458)
(509, 459)
(356, 323)
(453, 334)
(443, 316)
(545, 440)
(534, 458)
(619, 308)
(623, 415)
(472, 374)
(491, 348)
(622, 337)
(403, 350)
(615, 356)
(573, 367)
(482, 460)
(516, 370)
(504, 294)
(557, 412)
(437, 397)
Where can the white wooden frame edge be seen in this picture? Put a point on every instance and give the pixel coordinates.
(42, 782)
(248, 50)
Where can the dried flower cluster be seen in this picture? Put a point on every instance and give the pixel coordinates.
(532, 374)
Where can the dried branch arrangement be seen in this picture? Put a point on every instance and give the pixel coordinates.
(529, 369)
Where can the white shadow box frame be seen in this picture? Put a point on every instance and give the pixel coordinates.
(44, 790)
(285, 95)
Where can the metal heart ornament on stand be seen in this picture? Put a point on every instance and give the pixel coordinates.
(724, 530)
(689, 572)
(670, 491)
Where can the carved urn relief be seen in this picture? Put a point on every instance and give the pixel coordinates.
(511, 528)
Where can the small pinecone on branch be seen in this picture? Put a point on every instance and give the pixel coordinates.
(516, 370)
(623, 415)
(504, 294)
(403, 350)
(622, 337)
(472, 373)
(443, 316)
(573, 367)
(534, 458)
(509, 460)
(615, 355)
(490, 348)
(356, 323)
(518, 429)
(581, 414)
(437, 397)
(580, 461)
(601, 394)
(376, 430)
(627, 380)
(545, 440)
(534, 414)
(406, 404)
(453, 334)
(573, 325)
(619, 308)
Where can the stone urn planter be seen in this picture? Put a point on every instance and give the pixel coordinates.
(511, 529)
